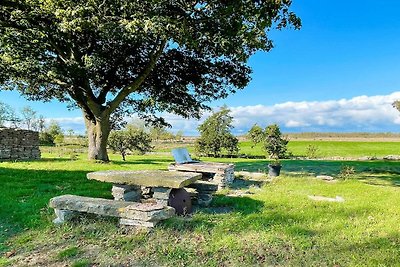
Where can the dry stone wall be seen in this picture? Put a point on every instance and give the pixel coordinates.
(18, 144)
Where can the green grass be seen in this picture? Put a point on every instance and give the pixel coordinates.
(332, 148)
(68, 253)
(274, 224)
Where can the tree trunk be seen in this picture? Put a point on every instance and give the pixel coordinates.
(98, 130)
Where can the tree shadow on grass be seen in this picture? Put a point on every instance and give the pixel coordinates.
(383, 170)
(244, 184)
(380, 178)
(25, 195)
(244, 214)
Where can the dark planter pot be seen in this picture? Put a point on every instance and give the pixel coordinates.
(274, 170)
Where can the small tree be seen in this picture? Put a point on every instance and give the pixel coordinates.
(49, 134)
(274, 143)
(29, 117)
(215, 134)
(160, 132)
(255, 134)
(129, 139)
(7, 114)
(59, 140)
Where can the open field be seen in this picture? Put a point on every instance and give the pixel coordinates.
(332, 148)
(253, 223)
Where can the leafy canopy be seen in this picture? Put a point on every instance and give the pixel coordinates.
(142, 56)
(255, 134)
(275, 144)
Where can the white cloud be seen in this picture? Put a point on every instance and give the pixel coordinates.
(75, 123)
(361, 113)
(358, 114)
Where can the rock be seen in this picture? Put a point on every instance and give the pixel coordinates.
(391, 157)
(325, 177)
(366, 158)
(204, 200)
(9, 254)
(329, 199)
(137, 223)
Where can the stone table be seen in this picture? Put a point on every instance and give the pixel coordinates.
(131, 185)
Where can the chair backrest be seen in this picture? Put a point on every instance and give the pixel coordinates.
(181, 155)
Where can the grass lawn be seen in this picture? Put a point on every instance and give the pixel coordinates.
(253, 223)
(332, 148)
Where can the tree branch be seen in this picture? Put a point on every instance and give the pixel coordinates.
(140, 79)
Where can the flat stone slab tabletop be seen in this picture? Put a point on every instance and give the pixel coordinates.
(154, 178)
(212, 167)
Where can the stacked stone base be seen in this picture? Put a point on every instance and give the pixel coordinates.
(146, 215)
(203, 193)
(17, 144)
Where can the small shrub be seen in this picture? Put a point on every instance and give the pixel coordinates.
(312, 151)
(68, 253)
(347, 172)
(81, 263)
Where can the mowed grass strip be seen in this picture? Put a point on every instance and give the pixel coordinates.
(273, 225)
(331, 148)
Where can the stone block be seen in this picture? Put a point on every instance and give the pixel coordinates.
(63, 216)
(133, 212)
(147, 212)
(126, 192)
(137, 223)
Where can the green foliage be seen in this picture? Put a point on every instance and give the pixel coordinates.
(110, 58)
(347, 172)
(161, 133)
(7, 114)
(130, 139)
(274, 143)
(255, 134)
(215, 135)
(29, 117)
(52, 134)
(312, 151)
(68, 253)
(59, 139)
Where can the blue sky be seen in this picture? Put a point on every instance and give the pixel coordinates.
(346, 56)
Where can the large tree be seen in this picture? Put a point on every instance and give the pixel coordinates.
(109, 57)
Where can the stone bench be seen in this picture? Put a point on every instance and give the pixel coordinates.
(221, 174)
(147, 215)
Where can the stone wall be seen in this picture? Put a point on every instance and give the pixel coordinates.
(17, 144)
